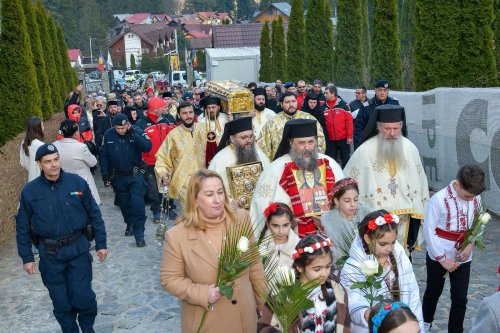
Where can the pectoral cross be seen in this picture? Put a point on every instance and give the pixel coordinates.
(393, 186)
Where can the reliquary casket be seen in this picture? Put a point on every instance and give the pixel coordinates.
(235, 98)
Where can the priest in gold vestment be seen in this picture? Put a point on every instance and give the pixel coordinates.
(272, 131)
(180, 155)
(390, 173)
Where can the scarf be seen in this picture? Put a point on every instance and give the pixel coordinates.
(322, 317)
(287, 182)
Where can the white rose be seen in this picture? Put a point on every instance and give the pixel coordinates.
(485, 218)
(243, 244)
(285, 276)
(369, 267)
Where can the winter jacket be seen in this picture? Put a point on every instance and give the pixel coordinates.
(157, 129)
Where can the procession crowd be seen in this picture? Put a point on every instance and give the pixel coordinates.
(340, 227)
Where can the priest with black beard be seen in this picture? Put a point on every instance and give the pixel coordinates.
(261, 115)
(237, 146)
(286, 179)
(390, 173)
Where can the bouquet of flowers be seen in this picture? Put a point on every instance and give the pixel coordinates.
(287, 296)
(238, 253)
(475, 234)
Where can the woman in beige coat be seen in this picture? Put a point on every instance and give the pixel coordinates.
(190, 256)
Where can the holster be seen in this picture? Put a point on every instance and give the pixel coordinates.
(50, 246)
(88, 231)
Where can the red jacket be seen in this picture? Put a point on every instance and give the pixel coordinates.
(86, 133)
(157, 130)
(338, 121)
(300, 100)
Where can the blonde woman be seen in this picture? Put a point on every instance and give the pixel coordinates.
(190, 258)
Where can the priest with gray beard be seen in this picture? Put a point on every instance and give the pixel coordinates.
(299, 177)
(390, 174)
(237, 146)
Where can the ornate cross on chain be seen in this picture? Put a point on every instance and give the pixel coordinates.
(393, 186)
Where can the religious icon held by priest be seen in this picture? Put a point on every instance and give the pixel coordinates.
(312, 190)
(299, 176)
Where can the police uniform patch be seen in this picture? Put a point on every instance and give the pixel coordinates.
(386, 85)
(51, 147)
(124, 122)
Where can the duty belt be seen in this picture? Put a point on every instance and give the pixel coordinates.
(65, 241)
(135, 171)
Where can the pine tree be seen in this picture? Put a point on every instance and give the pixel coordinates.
(436, 43)
(132, 62)
(57, 102)
(315, 41)
(296, 43)
(476, 67)
(408, 43)
(17, 72)
(385, 58)
(365, 39)
(71, 79)
(278, 48)
(496, 34)
(328, 50)
(349, 53)
(266, 67)
(62, 90)
(38, 60)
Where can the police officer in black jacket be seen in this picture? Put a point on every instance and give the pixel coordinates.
(122, 166)
(54, 213)
(381, 97)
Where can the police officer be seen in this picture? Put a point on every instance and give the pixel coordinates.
(122, 166)
(55, 210)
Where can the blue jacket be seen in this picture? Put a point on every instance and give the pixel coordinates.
(123, 152)
(364, 115)
(57, 210)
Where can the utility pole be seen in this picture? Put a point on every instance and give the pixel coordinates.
(91, 58)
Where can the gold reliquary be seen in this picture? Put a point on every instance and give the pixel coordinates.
(242, 181)
(234, 97)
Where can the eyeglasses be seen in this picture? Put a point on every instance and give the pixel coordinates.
(359, 92)
(301, 87)
(196, 94)
(98, 105)
(246, 137)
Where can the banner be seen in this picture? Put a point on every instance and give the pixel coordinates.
(174, 62)
(452, 127)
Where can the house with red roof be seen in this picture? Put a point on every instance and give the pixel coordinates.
(139, 40)
(75, 57)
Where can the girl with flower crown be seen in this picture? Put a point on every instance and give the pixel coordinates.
(376, 246)
(341, 223)
(313, 261)
(279, 222)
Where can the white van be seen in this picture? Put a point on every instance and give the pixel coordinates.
(132, 75)
(177, 77)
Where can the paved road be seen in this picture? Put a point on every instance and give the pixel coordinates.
(130, 298)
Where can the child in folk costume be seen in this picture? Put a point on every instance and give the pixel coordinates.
(377, 234)
(279, 221)
(449, 215)
(390, 316)
(313, 260)
(341, 223)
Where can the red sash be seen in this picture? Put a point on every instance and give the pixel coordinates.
(456, 236)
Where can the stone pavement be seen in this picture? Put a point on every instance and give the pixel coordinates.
(130, 298)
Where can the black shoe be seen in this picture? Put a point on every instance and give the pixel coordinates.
(129, 231)
(140, 242)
